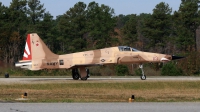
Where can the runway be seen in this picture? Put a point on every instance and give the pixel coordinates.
(93, 79)
(100, 107)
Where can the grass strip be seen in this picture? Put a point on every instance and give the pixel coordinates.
(144, 91)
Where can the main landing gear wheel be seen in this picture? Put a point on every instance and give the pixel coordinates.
(75, 74)
(143, 77)
(84, 78)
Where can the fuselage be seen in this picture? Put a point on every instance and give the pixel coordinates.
(112, 55)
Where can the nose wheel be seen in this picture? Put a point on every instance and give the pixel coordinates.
(143, 77)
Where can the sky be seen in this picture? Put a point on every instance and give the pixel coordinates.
(125, 7)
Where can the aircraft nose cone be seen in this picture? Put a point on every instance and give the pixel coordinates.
(176, 57)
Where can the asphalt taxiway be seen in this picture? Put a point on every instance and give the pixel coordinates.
(100, 107)
(92, 79)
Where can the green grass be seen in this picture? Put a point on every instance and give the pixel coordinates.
(86, 91)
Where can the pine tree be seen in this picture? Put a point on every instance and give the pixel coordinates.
(158, 26)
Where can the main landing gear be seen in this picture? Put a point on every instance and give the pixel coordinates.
(84, 73)
(143, 77)
(75, 74)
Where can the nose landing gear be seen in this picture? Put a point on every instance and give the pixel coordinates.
(143, 77)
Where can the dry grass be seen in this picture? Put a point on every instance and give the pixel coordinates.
(144, 91)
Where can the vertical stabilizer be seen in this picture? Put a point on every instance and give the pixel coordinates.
(35, 52)
(39, 49)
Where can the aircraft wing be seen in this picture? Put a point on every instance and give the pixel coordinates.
(85, 65)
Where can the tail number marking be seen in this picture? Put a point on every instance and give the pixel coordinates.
(52, 63)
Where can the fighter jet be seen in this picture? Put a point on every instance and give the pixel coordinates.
(38, 56)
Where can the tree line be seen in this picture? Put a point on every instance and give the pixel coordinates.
(94, 26)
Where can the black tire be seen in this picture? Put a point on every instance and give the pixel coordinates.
(75, 74)
(6, 75)
(88, 73)
(84, 78)
(143, 77)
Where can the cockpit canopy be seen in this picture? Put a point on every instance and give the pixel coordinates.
(126, 48)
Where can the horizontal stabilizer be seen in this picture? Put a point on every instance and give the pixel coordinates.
(20, 64)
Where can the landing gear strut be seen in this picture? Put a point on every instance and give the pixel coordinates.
(143, 77)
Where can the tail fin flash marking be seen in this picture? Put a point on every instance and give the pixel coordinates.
(27, 50)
